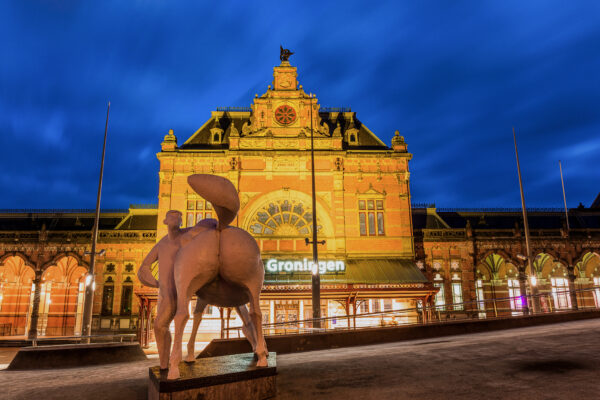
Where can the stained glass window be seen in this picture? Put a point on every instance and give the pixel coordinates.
(283, 218)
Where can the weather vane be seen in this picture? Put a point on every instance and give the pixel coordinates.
(284, 54)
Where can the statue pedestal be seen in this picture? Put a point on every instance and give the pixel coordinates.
(216, 378)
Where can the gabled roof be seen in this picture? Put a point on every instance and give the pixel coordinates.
(200, 139)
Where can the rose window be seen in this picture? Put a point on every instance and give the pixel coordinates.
(283, 218)
(285, 114)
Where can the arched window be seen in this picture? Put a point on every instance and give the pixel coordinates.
(283, 218)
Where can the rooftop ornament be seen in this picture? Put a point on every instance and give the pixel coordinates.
(284, 54)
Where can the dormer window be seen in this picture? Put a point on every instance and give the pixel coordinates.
(352, 136)
(216, 136)
(216, 133)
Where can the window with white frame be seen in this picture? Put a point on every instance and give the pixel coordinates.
(514, 292)
(597, 291)
(440, 300)
(196, 210)
(560, 293)
(370, 217)
(480, 298)
(457, 297)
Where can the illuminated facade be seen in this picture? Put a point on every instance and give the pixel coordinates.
(380, 253)
(362, 191)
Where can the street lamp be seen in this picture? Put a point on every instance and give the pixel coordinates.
(529, 269)
(316, 279)
(86, 325)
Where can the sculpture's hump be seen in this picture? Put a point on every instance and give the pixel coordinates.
(220, 192)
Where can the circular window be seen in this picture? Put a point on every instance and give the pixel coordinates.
(285, 114)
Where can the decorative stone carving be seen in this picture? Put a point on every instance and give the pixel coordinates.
(246, 130)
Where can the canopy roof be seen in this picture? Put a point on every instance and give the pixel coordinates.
(358, 271)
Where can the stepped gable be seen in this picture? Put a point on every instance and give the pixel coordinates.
(283, 112)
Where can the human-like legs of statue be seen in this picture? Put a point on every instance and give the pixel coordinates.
(165, 310)
(256, 316)
(200, 306)
(248, 327)
(181, 317)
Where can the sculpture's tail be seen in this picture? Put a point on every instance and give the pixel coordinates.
(220, 192)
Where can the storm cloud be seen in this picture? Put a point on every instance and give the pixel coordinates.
(452, 77)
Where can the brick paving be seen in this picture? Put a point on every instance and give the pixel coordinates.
(559, 361)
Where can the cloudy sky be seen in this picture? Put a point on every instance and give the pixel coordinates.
(453, 77)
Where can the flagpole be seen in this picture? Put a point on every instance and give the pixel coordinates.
(564, 196)
(572, 288)
(530, 271)
(89, 281)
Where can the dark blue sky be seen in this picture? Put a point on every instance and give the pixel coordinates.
(453, 77)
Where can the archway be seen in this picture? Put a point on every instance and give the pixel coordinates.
(555, 276)
(588, 271)
(61, 300)
(506, 288)
(16, 294)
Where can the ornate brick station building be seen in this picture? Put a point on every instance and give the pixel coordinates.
(379, 253)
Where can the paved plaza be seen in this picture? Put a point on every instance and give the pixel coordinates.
(560, 361)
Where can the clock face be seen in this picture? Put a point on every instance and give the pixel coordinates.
(285, 114)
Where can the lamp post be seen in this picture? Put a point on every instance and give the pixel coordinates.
(570, 267)
(529, 271)
(86, 325)
(316, 279)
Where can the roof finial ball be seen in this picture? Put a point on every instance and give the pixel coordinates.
(398, 142)
(284, 54)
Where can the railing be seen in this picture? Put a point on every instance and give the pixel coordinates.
(335, 109)
(423, 205)
(117, 338)
(506, 307)
(239, 109)
(150, 206)
(486, 209)
(500, 209)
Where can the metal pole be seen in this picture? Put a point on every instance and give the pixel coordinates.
(89, 281)
(316, 279)
(564, 196)
(530, 271)
(570, 268)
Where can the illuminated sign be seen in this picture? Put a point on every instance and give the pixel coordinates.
(290, 266)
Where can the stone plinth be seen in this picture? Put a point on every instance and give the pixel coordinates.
(216, 378)
(76, 355)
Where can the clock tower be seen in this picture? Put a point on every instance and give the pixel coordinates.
(285, 109)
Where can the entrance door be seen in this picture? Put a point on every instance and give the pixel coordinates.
(286, 313)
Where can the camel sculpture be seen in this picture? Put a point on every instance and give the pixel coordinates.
(219, 263)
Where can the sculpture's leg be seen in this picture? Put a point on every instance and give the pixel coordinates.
(256, 316)
(248, 327)
(181, 317)
(184, 295)
(200, 306)
(164, 315)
